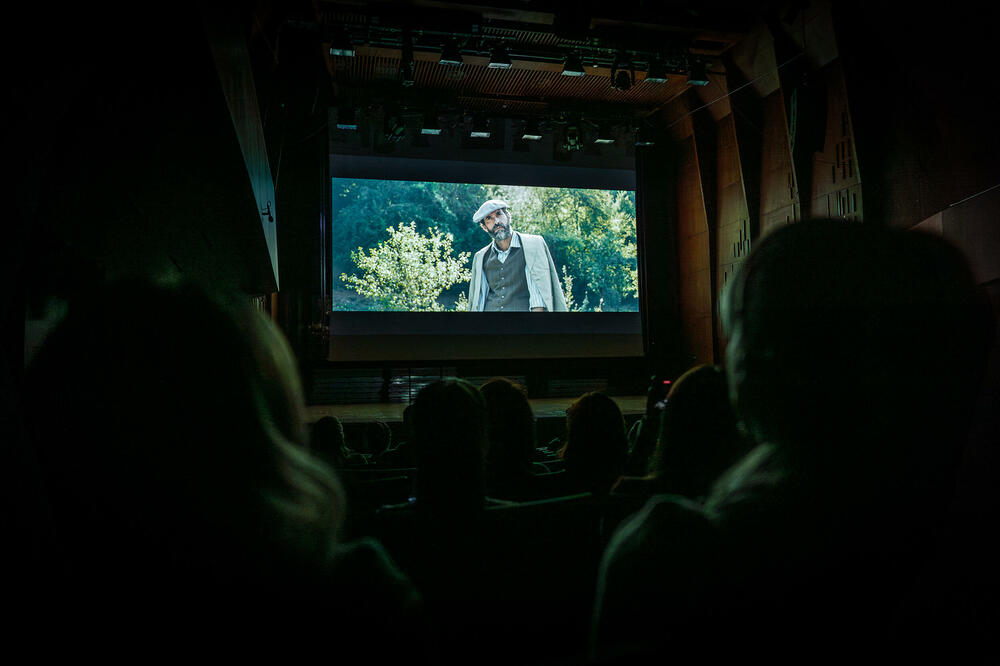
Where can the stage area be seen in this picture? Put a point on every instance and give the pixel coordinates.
(545, 408)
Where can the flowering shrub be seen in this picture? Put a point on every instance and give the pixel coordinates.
(409, 271)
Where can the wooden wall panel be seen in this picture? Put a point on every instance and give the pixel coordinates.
(733, 232)
(693, 258)
(778, 218)
(714, 96)
(836, 183)
(779, 192)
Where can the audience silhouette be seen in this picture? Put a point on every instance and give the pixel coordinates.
(511, 434)
(854, 355)
(326, 441)
(595, 449)
(645, 431)
(804, 486)
(184, 505)
(439, 537)
(401, 454)
(699, 438)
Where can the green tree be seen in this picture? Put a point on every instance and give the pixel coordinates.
(408, 271)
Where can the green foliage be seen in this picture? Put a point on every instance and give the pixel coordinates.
(409, 271)
(363, 208)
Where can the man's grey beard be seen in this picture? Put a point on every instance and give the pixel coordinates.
(501, 232)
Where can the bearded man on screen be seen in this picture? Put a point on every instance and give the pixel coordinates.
(515, 272)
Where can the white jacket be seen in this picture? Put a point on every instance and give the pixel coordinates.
(539, 267)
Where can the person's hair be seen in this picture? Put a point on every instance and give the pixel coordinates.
(857, 350)
(596, 446)
(511, 429)
(699, 437)
(449, 437)
(181, 434)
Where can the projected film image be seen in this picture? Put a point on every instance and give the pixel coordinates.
(410, 246)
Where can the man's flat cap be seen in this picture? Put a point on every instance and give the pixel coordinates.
(487, 208)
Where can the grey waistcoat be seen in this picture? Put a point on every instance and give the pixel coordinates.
(508, 286)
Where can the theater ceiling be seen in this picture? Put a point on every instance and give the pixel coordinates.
(617, 60)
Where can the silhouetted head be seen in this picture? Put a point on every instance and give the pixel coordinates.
(857, 350)
(449, 435)
(511, 430)
(596, 446)
(180, 439)
(326, 441)
(699, 437)
(377, 437)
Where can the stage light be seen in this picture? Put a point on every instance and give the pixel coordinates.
(450, 53)
(622, 73)
(531, 131)
(340, 43)
(499, 58)
(604, 134)
(406, 73)
(572, 139)
(572, 66)
(643, 136)
(480, 128)
(406, 62)
(393, 127)
(347, 118)
(431, 124)
(657, 72)
(697, 73)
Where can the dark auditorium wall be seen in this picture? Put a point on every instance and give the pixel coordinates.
(125, 160)
(133, 165)
(834, 110)
(294, 95)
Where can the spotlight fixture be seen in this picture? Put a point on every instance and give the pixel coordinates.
(573, 66)
(347, 118)
(622, 73)
(531, 131)
(604, 134)
(393, 127)
(499, 58)
(406, 73)
(573, 139)
(643, 136)
(450, 53)
(697, 73)
(431, 124)
(657, 72)
(340, 43)
(406, 62)
(480, 128)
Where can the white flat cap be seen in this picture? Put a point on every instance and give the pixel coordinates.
(487, 208)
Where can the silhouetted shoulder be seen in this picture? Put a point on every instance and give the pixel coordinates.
(366, 564)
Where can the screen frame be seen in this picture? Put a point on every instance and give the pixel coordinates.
(392, 338)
